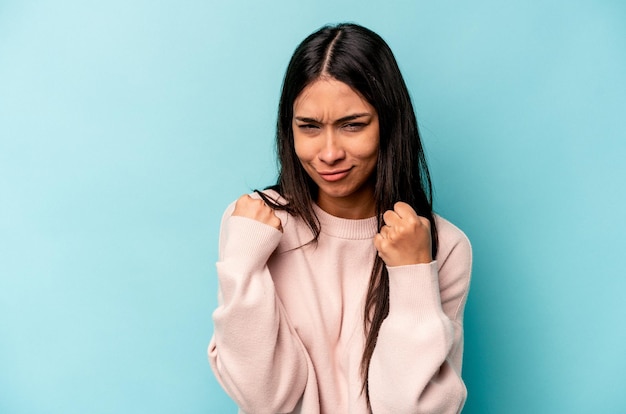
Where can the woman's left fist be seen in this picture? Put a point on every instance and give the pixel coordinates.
(405, 237)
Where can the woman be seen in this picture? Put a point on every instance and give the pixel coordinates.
(329, 298)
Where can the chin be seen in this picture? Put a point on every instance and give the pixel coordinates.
(338, 193)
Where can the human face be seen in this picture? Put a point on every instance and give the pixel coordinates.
(336, 138)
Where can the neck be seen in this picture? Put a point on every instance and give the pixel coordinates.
(356, 206)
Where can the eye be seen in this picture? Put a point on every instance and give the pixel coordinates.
(354, 126)
(308, 127)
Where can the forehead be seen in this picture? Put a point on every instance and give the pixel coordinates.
(328, 95)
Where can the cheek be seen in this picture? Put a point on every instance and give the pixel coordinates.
(368, 149)
(303, 151)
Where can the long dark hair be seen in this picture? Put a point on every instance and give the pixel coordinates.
(361, 59)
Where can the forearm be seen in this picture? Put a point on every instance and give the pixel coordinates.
(410, 371)
(254, 352)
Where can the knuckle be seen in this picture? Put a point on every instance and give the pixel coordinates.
(378, 246)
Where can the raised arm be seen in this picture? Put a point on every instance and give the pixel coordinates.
(254, 352)
(416, 365)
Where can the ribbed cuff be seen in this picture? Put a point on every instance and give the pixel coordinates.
(414, 291)
(249, 242)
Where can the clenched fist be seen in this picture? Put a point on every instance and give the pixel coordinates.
(256, 209)
(405, 237)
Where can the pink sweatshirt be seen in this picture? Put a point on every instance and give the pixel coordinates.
(289, 326)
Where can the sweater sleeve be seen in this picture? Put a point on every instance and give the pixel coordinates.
(254, 353)
(416, 365)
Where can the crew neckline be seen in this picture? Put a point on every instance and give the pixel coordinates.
(345, 228)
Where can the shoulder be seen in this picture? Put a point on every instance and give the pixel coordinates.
(454, 262)
(450, 238)
(454, 251)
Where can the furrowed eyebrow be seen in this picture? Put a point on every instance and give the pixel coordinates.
(351, 117)
(339, 121)
(307, 120)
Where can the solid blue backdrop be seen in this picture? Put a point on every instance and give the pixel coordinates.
(127, 127)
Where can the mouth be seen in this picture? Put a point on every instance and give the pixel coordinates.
(331, 176)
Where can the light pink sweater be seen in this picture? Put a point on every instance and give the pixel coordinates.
(289, 326)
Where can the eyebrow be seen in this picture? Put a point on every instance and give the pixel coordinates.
(338, 121)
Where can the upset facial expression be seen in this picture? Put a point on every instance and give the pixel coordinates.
(336, 137)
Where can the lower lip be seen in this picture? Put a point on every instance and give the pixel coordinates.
(334, 177)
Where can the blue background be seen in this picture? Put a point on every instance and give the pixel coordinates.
(127, 127)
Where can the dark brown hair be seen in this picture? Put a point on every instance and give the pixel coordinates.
(361, 59)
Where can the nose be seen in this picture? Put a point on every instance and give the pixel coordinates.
(332, 151)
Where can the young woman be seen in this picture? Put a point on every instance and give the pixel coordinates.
(339, 289)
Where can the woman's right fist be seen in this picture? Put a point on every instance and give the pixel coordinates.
(256, 209)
